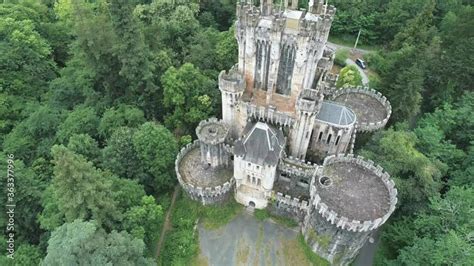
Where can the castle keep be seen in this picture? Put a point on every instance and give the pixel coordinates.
(279, 108)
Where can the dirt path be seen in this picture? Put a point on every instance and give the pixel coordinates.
(167, 225)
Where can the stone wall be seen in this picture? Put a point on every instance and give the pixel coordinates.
(373, 93)
(286, 206)
(267, 114)
(333, 236)
(205, 195)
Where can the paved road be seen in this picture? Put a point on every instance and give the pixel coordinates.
(367, 252)
(365, 78)
(339, 46)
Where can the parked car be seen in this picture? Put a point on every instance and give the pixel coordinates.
(361, 63)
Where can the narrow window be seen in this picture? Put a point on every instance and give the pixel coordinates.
(248, 179)
(329, 138)
(337, 139)
(253, 179)
(320, 136)
(258, 182)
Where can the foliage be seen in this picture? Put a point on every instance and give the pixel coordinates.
(120, 116)
(85, 243)
(81, 190)
(349, 76)
(312, 257)
(82, 120)
(144, 221)
(217, 216)
(156, 148)
(341, 56)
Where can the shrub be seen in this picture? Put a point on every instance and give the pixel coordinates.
(341, 56)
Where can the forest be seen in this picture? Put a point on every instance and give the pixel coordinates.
(98, 96)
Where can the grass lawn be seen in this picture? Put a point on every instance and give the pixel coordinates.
(261, 215)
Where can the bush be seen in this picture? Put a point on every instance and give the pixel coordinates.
(341, 56)
(349, 76)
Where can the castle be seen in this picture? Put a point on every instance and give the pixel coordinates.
(280, 107)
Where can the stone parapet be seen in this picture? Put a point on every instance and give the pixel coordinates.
(297, 167)
(232, 81)
(267, 114)
(206, 195)
(212, 131)
(366, 127)
(295, 203)
(338, 219)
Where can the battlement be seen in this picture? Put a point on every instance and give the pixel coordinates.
(212, 131)
(203, 184)
(267, 114)
(232, 81)
(373, 110)
(295, 203)
(346, 174)
(297, 167)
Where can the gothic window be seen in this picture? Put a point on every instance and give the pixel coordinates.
(329, 138)
(248, 179)
(262, 65)
(253, 180)
(337, 139)
(320, 136)
(285, 70)
(258, 182)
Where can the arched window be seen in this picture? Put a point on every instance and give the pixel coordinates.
(329, 138)
(320, 136)
(337, 139)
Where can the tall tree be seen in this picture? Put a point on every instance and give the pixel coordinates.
(84, 243)
(156, 148)
(81, 190)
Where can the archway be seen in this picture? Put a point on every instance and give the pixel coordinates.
(252, 204)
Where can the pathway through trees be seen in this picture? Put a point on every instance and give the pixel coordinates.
(166, 225)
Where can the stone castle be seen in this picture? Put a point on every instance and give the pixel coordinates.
(279, 108)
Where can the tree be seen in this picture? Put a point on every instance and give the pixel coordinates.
(349, 76)
(82, 120)
(120, 116)
(35, 135)
(120, 157)
(85, 145)
(156, 148)
(28, 192)
(417, 177)
(187, 107)
(144, 221)
(84, 243)
(81, 190)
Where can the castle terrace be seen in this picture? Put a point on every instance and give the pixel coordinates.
(211, 131)
(194, 172)
(353, 191)
(367, 108)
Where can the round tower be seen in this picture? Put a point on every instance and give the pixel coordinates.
(232, 86)
(350, 199)
(212, 134)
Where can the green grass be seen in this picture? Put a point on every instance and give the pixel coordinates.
(312, 257)
(215, 216)
(261, 215)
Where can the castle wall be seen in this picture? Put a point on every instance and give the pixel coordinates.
(329, 139)
(205, 195)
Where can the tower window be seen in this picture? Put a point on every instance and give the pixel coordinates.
(320, 136)
(329, 138)
(258, 182)
(337, 139)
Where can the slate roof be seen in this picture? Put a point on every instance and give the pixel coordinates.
(261, 144)
(336, 114)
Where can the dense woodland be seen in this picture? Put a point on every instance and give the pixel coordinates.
(97, 96)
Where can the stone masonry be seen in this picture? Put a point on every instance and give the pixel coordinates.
(275, 115)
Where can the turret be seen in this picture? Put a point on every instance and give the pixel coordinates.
(306, 110)
(350, 198)
(231, 85)
(212, 134)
